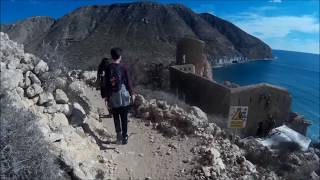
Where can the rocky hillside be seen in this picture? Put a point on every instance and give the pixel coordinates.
(147, 31)
(248, 45)
(65, 119)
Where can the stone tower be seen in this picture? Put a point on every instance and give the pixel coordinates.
(191, 51)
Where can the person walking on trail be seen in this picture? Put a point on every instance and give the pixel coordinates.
(118, 94)
(101, 81)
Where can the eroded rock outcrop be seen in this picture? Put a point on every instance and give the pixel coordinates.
(21, 83)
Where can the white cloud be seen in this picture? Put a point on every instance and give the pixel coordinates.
(276, 26)
(275, 30)
(275, 1)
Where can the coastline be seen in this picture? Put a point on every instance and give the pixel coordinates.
(242, 62)
(288, 81)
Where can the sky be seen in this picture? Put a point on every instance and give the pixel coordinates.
(283, 24)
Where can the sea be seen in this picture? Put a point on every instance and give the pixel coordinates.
(298, 72)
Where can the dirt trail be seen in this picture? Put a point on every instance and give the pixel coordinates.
(148, 153)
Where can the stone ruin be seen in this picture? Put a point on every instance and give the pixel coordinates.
(189, 80)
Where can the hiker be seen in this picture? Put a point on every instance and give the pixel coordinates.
(101, 82)
(118, 94)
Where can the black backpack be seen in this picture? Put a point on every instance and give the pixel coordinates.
(114, 77)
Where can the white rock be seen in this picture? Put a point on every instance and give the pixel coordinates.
(89, 76)
(77, 87)
(198, 113)
(58, 121)
(34, 90)
(60, 83)
(46, 99)
(206, 171)
(20, 91)
(65, 109)
(41, 67)
(10, 79)
(51, 109)
(139, 100)
(13, 62)
(249, 166)
(34, 79)
(25, 67)
(61, 97)
(25, 83)
(27, 58)
(220, 164)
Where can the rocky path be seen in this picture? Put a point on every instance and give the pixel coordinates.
(148, 153)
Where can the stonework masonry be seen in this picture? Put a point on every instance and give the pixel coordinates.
(264, 101)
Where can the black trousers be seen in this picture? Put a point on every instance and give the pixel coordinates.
(120, 117)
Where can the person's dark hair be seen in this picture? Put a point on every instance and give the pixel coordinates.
(116, 53)
(104, 61)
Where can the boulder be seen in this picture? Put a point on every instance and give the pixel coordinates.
(198, 113)
(206, 171)
(157, 114)
(60, 83)
(34, 90)
(46, 99)
(25, 83)
(61, 97)
(44, 76)
(20, 91)
(25, 67)
(162, 104)
(77, 87)
(34, 79)
(139, 100)
(89, 77)
(27, 58)
(66, 109)
(249, 167)
(41, 67)
(10, 79)
(12, 62)
(58, 121)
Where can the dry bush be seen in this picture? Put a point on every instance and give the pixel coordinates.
(23, 152)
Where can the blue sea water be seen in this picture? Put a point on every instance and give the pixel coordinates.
(298, 72)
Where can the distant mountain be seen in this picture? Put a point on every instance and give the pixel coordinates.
(248, 45)
(147, 31)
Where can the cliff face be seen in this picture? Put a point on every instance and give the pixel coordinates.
(29, 31)
(148, 33)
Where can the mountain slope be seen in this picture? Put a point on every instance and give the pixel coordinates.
(246, 44)
(147, 31)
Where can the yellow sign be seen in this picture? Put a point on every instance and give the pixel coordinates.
(237, 116)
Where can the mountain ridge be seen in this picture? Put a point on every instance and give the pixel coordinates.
(147, 31)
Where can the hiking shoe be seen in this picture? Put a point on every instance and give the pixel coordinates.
(125, 140)
(119, 138)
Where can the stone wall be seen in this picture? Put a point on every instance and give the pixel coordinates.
(211, 97)
(264, 101)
